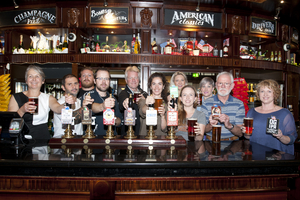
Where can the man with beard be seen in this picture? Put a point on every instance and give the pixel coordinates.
(87, 81)
(70, 85)
(132, 78)
(100, 99)
(232, 109)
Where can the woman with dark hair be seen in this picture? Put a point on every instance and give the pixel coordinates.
(36, 123)
(268, 92)
(158, 86)
(187, 103)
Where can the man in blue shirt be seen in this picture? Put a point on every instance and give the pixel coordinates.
(102, 100)
(232, 109)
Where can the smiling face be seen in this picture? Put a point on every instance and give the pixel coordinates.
(179, 81)
(266, 95)
(132, 80)
(188, 97)
(157, 86)
(224, 85)
(71, 86)
(34, 79)
(207, 90)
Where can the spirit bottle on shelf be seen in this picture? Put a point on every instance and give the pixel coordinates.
(154, 47)
(279, 56)
(215, 51)
(168, 48)
(272, 56)
(21, 42)
(97, 44)
(225, 51)
(65, 44)
(137, 45)
(106, 47)
(275, 58)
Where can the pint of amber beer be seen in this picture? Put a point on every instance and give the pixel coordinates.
(36, 103)
(216, 133)
(158, 103)
(248, 123)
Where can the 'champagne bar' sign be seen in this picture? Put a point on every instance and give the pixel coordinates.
(104, 15)
(31, 17)
(192, 18)
(263, 26)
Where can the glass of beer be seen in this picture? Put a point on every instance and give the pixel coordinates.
(248, 123)
(158, 103)
(136, 95)
(36, 103)
(191, 130)
(216, 133)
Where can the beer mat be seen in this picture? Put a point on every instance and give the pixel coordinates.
(272, 125)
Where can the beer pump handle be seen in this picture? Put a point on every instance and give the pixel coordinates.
(89, 106)
(67, 104)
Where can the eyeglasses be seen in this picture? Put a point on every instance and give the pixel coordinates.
(133, 78)
(225, 84)
(101, 78)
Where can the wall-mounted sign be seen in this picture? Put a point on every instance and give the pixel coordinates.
(263, 26)
(30, 16)
(295, 35)
(192, 19)
(104, 15)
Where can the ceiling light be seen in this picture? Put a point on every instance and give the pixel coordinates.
(105, 3)
(198, 6)
(15, 4)
(282, 1)
(206, 35)
(170, 32)
(112, 32)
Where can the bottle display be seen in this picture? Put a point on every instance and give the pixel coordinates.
(168, 48)
(215, 51)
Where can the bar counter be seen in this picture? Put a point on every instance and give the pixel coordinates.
(145, 171)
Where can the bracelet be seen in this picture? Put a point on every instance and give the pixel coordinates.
(231, 127)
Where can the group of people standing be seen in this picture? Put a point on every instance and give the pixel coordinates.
(95, 91)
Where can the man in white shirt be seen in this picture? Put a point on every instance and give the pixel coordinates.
(70, 85)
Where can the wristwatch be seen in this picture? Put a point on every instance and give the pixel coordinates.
(231, 127)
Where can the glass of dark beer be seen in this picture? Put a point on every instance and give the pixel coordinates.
(158, 103)
(248, 123)
(191, 130)
(36, 103)
(136, 95)
(216, 133)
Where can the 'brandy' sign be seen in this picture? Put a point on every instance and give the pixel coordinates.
(31, 17)
(263, 26)
(192, 18)
(104, 15)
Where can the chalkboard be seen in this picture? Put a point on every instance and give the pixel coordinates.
(263, 26)
(40, 16)
(104, 15)
(192, 19)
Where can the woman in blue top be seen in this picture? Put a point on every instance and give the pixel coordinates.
(207, 87)
(268, 92)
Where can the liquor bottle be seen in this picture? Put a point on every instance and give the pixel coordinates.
(106, 47)
(65, 44)
(275, 58)
(225, 51)
(205, 48)
(279, 56)
(172, 102)
(21, 42)
(154, 47)
(97, 44)
(132, 44)
(130, 101)
(93, 45)
(137, 45)
(140, 42)
(168, 49)
(189, 45)
(251, 94)
(196, 50)
(259, 50)
(272, 56)
(216, 51)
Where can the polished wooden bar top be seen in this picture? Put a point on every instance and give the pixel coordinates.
(200, 158)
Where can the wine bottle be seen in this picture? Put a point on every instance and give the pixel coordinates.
(65, 44)
(21, 42)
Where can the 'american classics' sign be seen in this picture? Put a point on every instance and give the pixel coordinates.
(30, 17)
(191, 18)
(263, 26)
(105, 15)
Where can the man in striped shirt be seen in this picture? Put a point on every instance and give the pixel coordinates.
(232, 109)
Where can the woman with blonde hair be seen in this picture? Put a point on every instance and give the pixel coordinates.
(268, 92)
